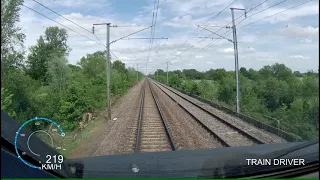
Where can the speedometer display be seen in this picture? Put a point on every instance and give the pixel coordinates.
(52, 137)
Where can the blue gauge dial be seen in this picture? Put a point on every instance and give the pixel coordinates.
(42, 131)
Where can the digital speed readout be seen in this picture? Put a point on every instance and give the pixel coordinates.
(52, 162)
(28, 145)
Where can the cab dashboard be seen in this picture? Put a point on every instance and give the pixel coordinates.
(230, 162)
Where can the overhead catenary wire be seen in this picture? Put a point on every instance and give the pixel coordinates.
(230, 29)
(154, 22)
(129, 35)
(275, 14)
(194, 34)
(264, 10)
(100, 42)
(62, 16)
(67, 20)
(60, 24)
(223, 28)
(247, 25)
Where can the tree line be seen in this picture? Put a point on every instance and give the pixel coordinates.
(273, 93)
(44, 84)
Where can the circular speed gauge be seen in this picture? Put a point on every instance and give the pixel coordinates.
(41, 144)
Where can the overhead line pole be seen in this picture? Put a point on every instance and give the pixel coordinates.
(108, 71)
(107, 66)
(108, 57)
(235, 45)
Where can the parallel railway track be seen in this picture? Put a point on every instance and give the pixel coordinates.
(152, 130)
(226, 133)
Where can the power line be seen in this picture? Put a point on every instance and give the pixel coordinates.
(101, 43)
(129, 35)
(194, 34)
(264, 10)
(219, 29)
(152, 32)
(131, 26)
(155, 22)
(59, 23)
(114, 55)
(61, 16)
(250, 24)
(217, 34)
(237, 24)
(68, 20)
(275, 14)
(222, 34)
(152, 27)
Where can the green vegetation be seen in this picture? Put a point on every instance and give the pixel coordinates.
(43, 84)
(269, 94)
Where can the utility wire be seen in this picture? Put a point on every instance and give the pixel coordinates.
(155, 22)
(59, 23)
(62, 16)
(194, 34)
(68, 20)
(129, 35)
(101, 43)
(219, 30)
(264, 10)
(252, 23)
(153, 30)
(276, 13)
(152, 22)
(114, 55)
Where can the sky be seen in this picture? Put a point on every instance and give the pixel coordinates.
(290, 37)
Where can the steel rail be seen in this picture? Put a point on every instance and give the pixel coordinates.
(254, 139)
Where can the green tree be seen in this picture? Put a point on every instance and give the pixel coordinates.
(6, 102)
(11, 38)
(220, 74)
(54, 43)
(58, 73)
(56, 40)
(93, 65)
(227, 90)
(119, 66)
(192, 74)
(209, 74)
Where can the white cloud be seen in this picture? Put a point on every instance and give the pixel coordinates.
(266, 59)
(302, 11)
(77, 3)
(185, 15)
(248, 38)
(306, 10)
(227, 50)
(247, 50)
(300, 57)
(306, 41)
(180, 21)
(293, 30)
(198, 57)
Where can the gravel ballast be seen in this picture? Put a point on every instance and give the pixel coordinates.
(260, 134)
(121, 137)
(186, 133)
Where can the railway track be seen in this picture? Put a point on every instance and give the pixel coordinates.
(152, 131)
(226, 133)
